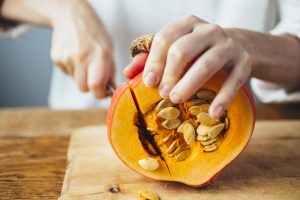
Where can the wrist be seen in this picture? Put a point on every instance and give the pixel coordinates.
(64, 10)
(238, 36)
(43, 13)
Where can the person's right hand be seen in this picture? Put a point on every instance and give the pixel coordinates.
(82, 48)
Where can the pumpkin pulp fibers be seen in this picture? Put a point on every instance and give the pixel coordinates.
(146, 139)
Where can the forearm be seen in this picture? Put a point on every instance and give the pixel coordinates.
(37, 12)
(273, 58)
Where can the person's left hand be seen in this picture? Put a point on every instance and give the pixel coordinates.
(186, 54)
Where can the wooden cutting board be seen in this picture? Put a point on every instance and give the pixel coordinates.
(269, 168)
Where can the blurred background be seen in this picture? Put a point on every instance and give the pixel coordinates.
(25, 69)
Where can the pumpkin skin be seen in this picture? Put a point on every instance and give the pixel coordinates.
(200, 168)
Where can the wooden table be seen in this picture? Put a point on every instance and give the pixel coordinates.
(33, 149)
(33, 146)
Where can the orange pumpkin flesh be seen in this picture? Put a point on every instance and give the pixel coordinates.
(200, 168)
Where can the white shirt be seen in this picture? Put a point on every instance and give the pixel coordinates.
(128, 19)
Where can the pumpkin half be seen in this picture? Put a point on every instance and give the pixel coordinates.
(138, 131)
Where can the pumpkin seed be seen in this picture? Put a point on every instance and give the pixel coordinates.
(169, 113)
(171, 124)
(149, 164)
(193, 122)
(189, 133)
(153, 133)
(169, 142)
(194, 102)
(163, 104)
(167, 138)
(208, 142)
(206, 94)
(216, 130)
(210, 148)
(194, 110)
(180, 127)
(226, 123)
(204, 107)
(190, 121)
(203, 130)
(182, 155)
(148, 195)
(202, 138)
(172, 147)
(150, 129)
(177, 150)
(197, 125)
(205, 119)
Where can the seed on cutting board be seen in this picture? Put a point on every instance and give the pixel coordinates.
(210, 148)
(203, 130)
(208, 142)
(194, 102)
(163, 104)
(188, 133)
(182, 155)
(148, 195)
(171, 124)
(216, 130)
(172, 146)
(169, 113)
(206, 94)
(149, 164)
(205, 119)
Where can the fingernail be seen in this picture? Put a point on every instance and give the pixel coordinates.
(175, 98)
(150, 79)
(218, 111)
(164, 91)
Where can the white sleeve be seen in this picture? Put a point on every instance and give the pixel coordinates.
(289, 18)
(289, 22)
(11, 28)
(272, 93)
(13, 32)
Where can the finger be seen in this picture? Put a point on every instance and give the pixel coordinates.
(99, 75)
(236, 79)
(163, 39)
(70, 67)
(200, 72)
(58, 61)
(61, 66)
(182, 53)
(80, 76)
(136, 65)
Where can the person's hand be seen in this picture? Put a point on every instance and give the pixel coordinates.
(82, 48)
(187, 53)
